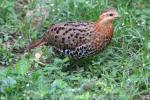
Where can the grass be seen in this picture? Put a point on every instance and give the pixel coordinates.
(120, 72)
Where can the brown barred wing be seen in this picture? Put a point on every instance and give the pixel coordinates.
(69, 35)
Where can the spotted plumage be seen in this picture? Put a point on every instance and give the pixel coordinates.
(80, 39)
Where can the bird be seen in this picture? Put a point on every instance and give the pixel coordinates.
(79, 39)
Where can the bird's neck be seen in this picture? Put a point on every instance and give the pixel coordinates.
(104, 28)
(104, 32)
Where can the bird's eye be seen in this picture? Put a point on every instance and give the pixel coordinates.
(111, 14)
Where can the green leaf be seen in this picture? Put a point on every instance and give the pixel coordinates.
(42, 89)
(148, 45)
(59, 84)
(23, 66)
(8, 81)
(81, 1)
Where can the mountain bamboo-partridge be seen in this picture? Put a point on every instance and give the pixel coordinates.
(80, 39)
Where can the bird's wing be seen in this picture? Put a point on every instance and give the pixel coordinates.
(70, 35)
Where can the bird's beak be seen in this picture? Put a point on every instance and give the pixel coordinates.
(117, 16)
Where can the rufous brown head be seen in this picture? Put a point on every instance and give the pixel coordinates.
(109, 15)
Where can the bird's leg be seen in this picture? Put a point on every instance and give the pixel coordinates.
(71, 65)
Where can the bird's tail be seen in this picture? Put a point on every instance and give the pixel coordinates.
(34, 44)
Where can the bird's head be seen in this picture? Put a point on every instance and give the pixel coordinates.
(109, 15)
